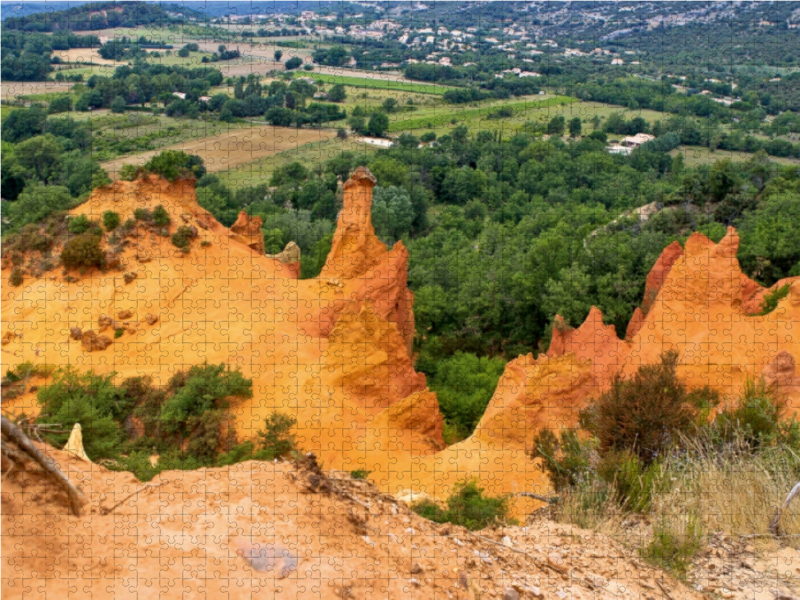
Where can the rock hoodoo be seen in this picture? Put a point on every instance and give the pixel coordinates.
(247, 230)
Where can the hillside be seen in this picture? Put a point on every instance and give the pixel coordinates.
(335, 351)
(287, 530)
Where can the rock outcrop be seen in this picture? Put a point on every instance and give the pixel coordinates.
(247, 230)
(290, 256)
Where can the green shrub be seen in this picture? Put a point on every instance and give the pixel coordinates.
(196, 409)
(82, 251)
(80, 224)
(771, 300)
(161, 217)
(110, 220)
(360, 474)
(118, 333)
(567, 460)
(16, 279)
(758, 420)
(675, 543)
(30, 238)
(182, 238)
(632, 484)
(142, 214)
(172, 164)
(468, 507)
(91, 400)
(648, 413)
(128, 172)
(276, 438)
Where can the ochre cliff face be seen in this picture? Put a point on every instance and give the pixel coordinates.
(334, 351)
(700, 303)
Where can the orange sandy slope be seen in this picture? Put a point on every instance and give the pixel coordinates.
(334, 351)
(190, 536)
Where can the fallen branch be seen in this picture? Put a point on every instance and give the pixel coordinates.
(106, 511)
(13, 433)
(774, 525)
(663, 589)
(552, 500)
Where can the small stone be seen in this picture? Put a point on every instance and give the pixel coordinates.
(104, 322)
(91, 341)
(531, 591)
(130, 276)
(125, 314)
(415, 582)
(510, 594)
(151, 319)
(75, 333)
(416, 569)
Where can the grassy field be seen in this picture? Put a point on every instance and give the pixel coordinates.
(15, 89)
(700, 155)
(441, 117)
(233, 150)
(379, 83)
(312, 155)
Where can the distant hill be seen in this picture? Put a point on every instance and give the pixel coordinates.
(37, 12)
(88, 16)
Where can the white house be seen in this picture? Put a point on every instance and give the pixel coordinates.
(634, 141)
(380, 142)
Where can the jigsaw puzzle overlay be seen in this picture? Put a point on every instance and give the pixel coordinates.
(403, 310)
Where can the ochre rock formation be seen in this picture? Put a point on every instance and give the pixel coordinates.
(703, 306)
(247, 230)
(290, 256)
(334, 351)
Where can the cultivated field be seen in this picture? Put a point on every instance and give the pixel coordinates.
(13, 89)
(313, 154)
(83, 55)
(229, 150)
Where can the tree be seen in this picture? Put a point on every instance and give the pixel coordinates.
(392, 213)
(34, 204)
(358, 124)
(278, 55)
(337, 93)
(389, 105)
(172, 164)
(464, 384)
(378, 124)
(575, 127)
(293, 63)
(82, 251)
(556, 125)
(24, 123)
(118, 105)
(110, 220)
(40, 156)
